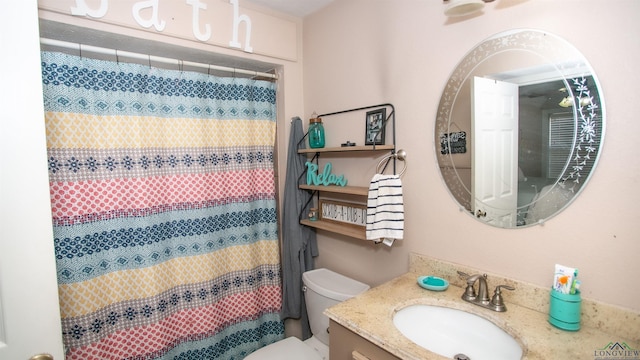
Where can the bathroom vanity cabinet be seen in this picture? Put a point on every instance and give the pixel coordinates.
(363, 328)
(347, 345)
(357, 195)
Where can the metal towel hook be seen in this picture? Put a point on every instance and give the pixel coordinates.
(399, 155)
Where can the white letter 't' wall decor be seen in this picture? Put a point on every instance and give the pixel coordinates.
(195, 21)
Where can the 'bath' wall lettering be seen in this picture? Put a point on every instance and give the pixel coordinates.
(326, 178)
(153, 20)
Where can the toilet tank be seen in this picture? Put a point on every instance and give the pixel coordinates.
(325, 288)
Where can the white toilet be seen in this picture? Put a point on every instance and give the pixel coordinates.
(323, 288)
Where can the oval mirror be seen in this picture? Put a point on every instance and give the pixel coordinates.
(519, 128)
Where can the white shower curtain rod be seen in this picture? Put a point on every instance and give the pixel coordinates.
(150, 58)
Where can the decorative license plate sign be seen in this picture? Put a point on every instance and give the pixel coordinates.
(343, 212)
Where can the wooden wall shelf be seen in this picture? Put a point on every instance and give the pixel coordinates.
(347, 149)
(348, 230)
(351, 230)
(350, 190)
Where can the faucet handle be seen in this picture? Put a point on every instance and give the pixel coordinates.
(497, 302)
(469, 292)
(506, 287)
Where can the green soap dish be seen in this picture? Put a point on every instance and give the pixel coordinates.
(433, 283)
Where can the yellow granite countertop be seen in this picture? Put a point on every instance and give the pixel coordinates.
(370, 315)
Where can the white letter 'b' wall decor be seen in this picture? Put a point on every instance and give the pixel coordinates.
(82, 9)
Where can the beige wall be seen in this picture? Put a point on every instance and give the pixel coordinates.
(365, 52)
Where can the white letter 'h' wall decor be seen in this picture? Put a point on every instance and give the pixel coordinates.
(237, 19)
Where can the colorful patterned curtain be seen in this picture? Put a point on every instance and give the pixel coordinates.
(163, 201)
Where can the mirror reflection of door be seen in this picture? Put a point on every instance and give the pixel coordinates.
(494, 185)
(547, 136)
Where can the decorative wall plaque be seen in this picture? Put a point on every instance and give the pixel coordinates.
(343, 212)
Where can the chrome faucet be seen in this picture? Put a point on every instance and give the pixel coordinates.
(496, 303)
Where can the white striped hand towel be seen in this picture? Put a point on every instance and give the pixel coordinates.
(385, 208)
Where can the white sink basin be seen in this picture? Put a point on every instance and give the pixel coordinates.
(449, 332)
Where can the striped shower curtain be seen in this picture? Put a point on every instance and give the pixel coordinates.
(164, 212)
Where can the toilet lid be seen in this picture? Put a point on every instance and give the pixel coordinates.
(290, 348)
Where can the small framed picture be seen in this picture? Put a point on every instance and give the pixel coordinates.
(453, 143)
(375, 121)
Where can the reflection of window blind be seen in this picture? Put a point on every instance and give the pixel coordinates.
(561, 137)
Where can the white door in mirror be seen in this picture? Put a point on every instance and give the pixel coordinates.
(494, 188)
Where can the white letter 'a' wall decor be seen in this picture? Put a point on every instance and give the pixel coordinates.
(237, 19)
(137, 7)
(195, 21)
(82, 9)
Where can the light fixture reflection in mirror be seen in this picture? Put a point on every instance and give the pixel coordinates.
(535, 164)
(457, 8)
(463, 7)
